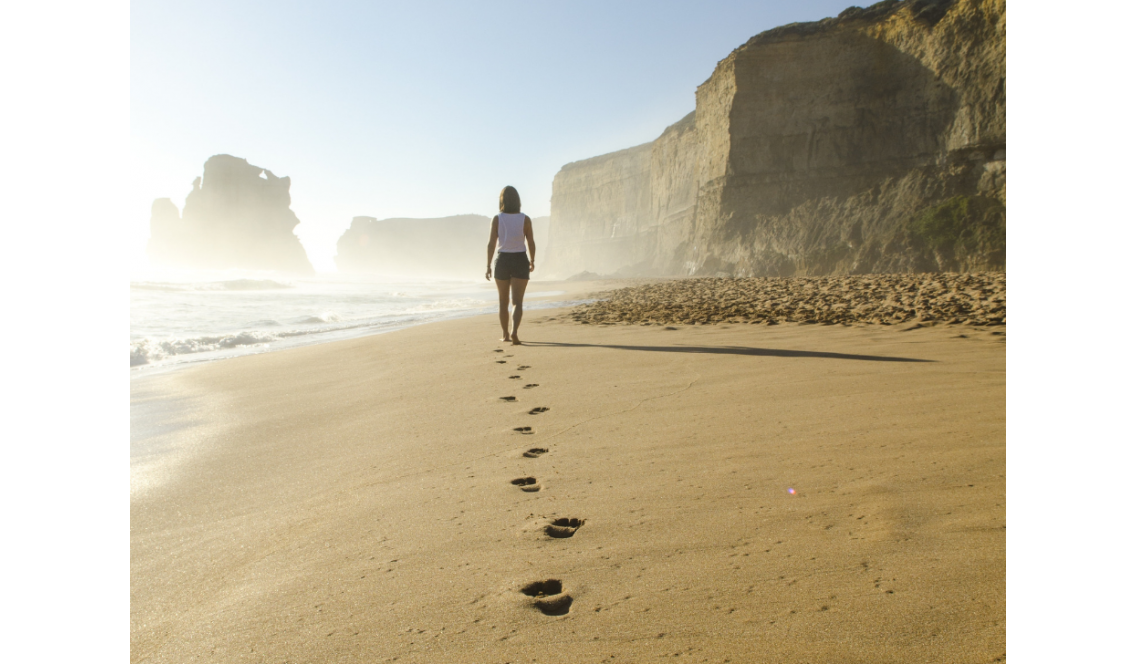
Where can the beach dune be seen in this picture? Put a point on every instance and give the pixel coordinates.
(707, 493)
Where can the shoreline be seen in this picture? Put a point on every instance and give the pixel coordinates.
(358, 501)
(558, 291)
(164, 431)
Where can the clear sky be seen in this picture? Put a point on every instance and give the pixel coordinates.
(414, 109)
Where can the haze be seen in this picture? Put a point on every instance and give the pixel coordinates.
(414, 110)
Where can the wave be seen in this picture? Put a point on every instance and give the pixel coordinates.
(251, 284)
(326, 317)
(151, 350)
(194, 321)
(448, 305)
(148, 351)
(325, 326)
(231, 285)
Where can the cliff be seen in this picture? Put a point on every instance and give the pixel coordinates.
(451, 247)
(237, 216)
(869, 142)
(601, 212)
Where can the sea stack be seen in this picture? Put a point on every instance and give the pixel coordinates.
(237, 216)
(874, 141)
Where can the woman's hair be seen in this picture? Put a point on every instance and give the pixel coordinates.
(509, 201)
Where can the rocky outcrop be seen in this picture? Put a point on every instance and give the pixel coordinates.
(451, 247)
(869, 142)
(237, 216)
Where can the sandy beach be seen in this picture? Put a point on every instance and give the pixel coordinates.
(605, 492)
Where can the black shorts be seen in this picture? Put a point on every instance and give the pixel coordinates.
(513, 265)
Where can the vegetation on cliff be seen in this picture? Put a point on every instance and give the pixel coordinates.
(962, 232)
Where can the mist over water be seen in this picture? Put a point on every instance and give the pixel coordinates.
(179, 317)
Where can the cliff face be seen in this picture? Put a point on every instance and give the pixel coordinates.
(448, 247)
(870, 142)
(237, 216)
(601, 207)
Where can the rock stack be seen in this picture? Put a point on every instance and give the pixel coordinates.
(237, 216)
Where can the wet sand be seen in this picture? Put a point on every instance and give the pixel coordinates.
(379, 499)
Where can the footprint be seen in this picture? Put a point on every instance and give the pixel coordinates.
(530, 385)
(523, 367)
(525, 430)
(508, 398)
(498, 350)
(500, 361)
(554, 606)
(562, 528)
(550, 600)
(535, 452)
(543, 588)
(515, 376)
(671, 328)
(538, 410)
(527, 484)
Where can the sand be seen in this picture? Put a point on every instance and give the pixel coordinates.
(884, 299)
(372, 500)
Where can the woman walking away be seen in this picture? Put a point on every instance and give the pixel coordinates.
(510, 231)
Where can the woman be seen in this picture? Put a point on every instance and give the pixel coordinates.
(510, 231)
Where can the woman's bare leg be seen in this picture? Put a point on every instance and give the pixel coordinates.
(518, 287)
(503, 306)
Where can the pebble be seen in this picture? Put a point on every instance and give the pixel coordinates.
(973, 299)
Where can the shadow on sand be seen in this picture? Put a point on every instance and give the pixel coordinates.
(734, 350)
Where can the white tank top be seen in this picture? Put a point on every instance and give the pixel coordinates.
(510, 233)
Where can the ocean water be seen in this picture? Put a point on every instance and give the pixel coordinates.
(183, 317)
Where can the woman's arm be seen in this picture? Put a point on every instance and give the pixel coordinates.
(531, 243)
(491, 246)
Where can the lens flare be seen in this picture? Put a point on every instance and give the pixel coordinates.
(791, 491)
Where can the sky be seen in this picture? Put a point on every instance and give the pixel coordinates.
(414, 109)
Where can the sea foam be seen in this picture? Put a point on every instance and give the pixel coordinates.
(180, 318)
(147, 351)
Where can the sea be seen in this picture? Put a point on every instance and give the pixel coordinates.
(178, 318)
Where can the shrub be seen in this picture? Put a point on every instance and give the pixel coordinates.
(963, 232)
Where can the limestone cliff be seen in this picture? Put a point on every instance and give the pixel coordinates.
(601, 212)
(451, 247)
(869, 142)
(237, 216)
